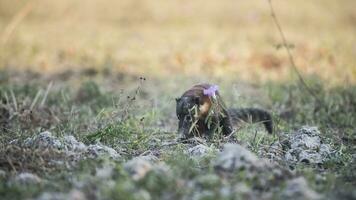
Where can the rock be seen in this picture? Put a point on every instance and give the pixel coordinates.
(235, 157)
(150, 158)
(199, 150)
(70, 146)
(142, 194)
(73, 195)
(2, 174)
(308, 156)
(104, 172)
(306, 137)
(76, 195)
(274, 152)
(208, 180)
(138, 168)
(306, 146)
(27, 179)
(43, 140)
(52, 196)
(298, 189)
(97, 150)
(302, 146)
(243, 190)
(47, 140)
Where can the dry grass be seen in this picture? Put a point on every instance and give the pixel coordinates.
(231, 38)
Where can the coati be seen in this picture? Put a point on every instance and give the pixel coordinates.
(201, 111)
(4, 115)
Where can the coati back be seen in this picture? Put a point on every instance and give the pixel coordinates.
(201, 111)
(253, 115)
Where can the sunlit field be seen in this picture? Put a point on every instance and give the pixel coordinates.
(88, 89)
(237, 39)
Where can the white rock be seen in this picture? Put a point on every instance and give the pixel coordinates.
(235, 157)
(104, 172)
(52, 196)
(97, 150)
(2, 174)
(72, 195)
(44, 140)
(76, 195)
(47, 140)
(150, 158)
(199, 150)
(71, 144)
(27, 178)
(138, 168)
(298, 189)
(309, 130)
(304, 141)
(142, 195)
(306, 146)
(308, 156)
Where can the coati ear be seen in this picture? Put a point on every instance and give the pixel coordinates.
(177, 99)
(197, 100)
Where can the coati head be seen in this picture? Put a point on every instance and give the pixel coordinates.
(186, 113)
(189, 109)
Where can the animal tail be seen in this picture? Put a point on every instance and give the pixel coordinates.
(253, 115)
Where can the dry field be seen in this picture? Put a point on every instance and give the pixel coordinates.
(235, 39)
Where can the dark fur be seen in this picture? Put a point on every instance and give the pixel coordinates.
(224, 118)
(4, 115)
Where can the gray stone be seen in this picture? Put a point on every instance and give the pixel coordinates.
(97, 150)
(235, 157)
(150, 158)
(27, 179)
(104, 172)
(47, 140)
(199, 150)
(138, 168)
(70, 146)
(43, 140)
(72, 195)
(306, 146)
(298, 189)
(2, 174)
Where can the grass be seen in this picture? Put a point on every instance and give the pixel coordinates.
(132, 129)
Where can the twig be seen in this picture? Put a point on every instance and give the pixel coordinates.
(11, 164)
(290, 56)
(46, 94)
(13, 99)
(291, 59)
(231, 134)
(254, 137)
(145, 153)
(6, 98)
(270, 147)
(35, 99)
(169, 144)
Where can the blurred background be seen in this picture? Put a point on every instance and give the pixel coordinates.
(205, 38)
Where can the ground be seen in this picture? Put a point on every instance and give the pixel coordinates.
(88, 94)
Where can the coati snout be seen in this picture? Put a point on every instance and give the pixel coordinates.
(203, 115)
(186, 113)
